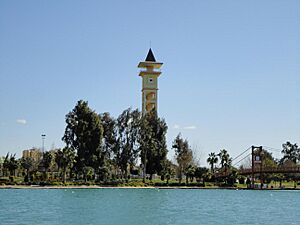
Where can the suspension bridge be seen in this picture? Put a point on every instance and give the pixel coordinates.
(251, 163)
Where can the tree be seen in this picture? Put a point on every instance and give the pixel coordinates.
(212, 160)
(231, 179)
(1, 165)
(152, 141)
(109, 143)
(266, 157)
(10, 163)
(167, 171)
(190, 173)
(290, 158)
(88, 173)
(47, 162)
(109, 140)
(6, 164)
(225, 159)
(65, 159)
(183, 154)
(83, 134)
(127, 149)
(146, 143)
(291, 152)
(27, 163)
(200, 173)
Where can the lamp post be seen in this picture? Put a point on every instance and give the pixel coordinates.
(43, 142)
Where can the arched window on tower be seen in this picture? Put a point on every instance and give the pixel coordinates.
(150, 96)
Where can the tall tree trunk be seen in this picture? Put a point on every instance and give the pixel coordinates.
(64, 174)
(144, 173)
(126, 175)
(45, 175)
(180, 175)
(144, 169)
(27, 172)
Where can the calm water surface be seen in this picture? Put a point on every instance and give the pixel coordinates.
(147, 206)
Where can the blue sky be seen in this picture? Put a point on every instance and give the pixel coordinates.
(230, 78)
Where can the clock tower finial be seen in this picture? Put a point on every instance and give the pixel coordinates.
(149, 73)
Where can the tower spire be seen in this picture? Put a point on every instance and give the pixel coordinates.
(150, 56)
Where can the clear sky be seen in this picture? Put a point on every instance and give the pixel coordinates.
(230, 78)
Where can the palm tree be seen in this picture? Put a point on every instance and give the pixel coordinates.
(6, 165)
(12, 164)
(225, 159)
(211, 160)
(65, 159)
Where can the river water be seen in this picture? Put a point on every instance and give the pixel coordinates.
(147, 206)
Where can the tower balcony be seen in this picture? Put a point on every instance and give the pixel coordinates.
(147, 72)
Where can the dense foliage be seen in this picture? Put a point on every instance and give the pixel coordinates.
(152, 142)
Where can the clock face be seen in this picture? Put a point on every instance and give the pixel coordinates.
(150, 80)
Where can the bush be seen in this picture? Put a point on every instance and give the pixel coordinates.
(226, 185)
(242, 180)
(3, 181)
(57, 183)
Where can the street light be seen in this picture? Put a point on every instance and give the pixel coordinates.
(43, 141)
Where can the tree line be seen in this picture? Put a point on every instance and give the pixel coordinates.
(102, 148)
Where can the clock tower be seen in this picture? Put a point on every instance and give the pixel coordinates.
(150, 71)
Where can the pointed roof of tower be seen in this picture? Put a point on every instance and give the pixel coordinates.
(150, 57)
(150, 61)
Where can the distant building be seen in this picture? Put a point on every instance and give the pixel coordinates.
(33, 153)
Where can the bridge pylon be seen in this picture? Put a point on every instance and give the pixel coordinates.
(256, 158)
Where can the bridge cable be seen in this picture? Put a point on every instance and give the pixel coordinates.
(242, 159)
(272, 149)
(241, 154)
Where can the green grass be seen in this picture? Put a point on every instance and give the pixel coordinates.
(286, 184)
(139, 183)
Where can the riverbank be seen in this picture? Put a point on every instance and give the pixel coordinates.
(132, 187)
